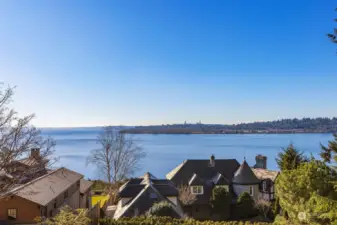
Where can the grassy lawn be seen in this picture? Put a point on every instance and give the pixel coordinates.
(97, 198)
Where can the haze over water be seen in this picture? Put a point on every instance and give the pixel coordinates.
(164, 152)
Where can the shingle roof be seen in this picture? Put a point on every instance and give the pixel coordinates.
(85, 185)
(135, 185)
(264, 174)
(46, 188)
(245, 175)
(141, 193)
(182, 174)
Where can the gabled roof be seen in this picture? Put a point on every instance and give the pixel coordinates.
(85, 185)
(145, 194)
(135, 185)
(264, 174)
(47, 187)
(221, 180)
(182, 174)
(195, 180)
(245, 175)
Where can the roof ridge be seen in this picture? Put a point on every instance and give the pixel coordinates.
(37, 179)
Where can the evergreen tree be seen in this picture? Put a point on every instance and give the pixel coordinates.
(333, 36)
(329, 153)
(290, 158)
(307, 193)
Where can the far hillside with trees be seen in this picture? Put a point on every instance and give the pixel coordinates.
(304, 125)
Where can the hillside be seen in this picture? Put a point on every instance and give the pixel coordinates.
(305, 125)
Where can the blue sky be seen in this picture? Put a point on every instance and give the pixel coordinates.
(88, 63)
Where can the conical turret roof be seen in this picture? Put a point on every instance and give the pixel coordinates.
(245, 175)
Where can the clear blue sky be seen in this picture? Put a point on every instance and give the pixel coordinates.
(87, 63)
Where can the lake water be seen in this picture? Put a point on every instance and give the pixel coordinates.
(164, 152)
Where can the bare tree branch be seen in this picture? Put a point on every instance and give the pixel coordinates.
(17, 138)
(119, 155)
(186, 197)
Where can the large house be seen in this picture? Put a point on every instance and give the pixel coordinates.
(201, 176)
(139, 194)
(43, 196)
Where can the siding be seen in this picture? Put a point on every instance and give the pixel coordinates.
(239, 189)
(26, 211)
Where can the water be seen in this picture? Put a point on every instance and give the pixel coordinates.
(164, 152)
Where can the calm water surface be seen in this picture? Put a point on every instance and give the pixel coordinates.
(164, 152)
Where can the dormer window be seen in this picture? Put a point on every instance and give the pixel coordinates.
(197, 190)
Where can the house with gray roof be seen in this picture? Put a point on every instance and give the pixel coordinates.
(202, 176)
(43, 196)
(139, 194)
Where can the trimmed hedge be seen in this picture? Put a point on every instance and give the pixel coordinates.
(170, 221)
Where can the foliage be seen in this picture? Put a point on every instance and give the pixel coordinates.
(170, 221)
(290, 158)
(246, 205)
(333, 36)
(244, 197)
(307, 193)
(17, 137)
(276, 206)
(264, 207)
(186, 197)
(220, 201)
(118, 157)
(67, 216)
(163, 208)
(329, 153)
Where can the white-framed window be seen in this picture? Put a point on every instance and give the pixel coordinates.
(251, 190)
(224, 186)
(197, 190)
(12, 214)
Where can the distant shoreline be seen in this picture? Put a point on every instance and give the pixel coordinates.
(196, 133)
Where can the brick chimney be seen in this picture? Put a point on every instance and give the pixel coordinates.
(261, 162)
(35, 153)
(212, 161)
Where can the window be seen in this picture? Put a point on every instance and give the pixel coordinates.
(78, 183)
(251, 192)
(66, 194)
(264, 185)
(197, 190)
(51, 213)
(11, 214)
(55, 204)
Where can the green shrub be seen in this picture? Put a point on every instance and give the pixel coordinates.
(163, 208)
(245, 206)
(170, 221)
(221, 201)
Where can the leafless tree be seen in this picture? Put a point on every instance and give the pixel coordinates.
(118, 157)
(17, 138)
(263, 206)
(186, 197)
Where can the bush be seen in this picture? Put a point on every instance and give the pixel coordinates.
(170, 221)
(245, 206)
(163, 208)
(221, 201)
